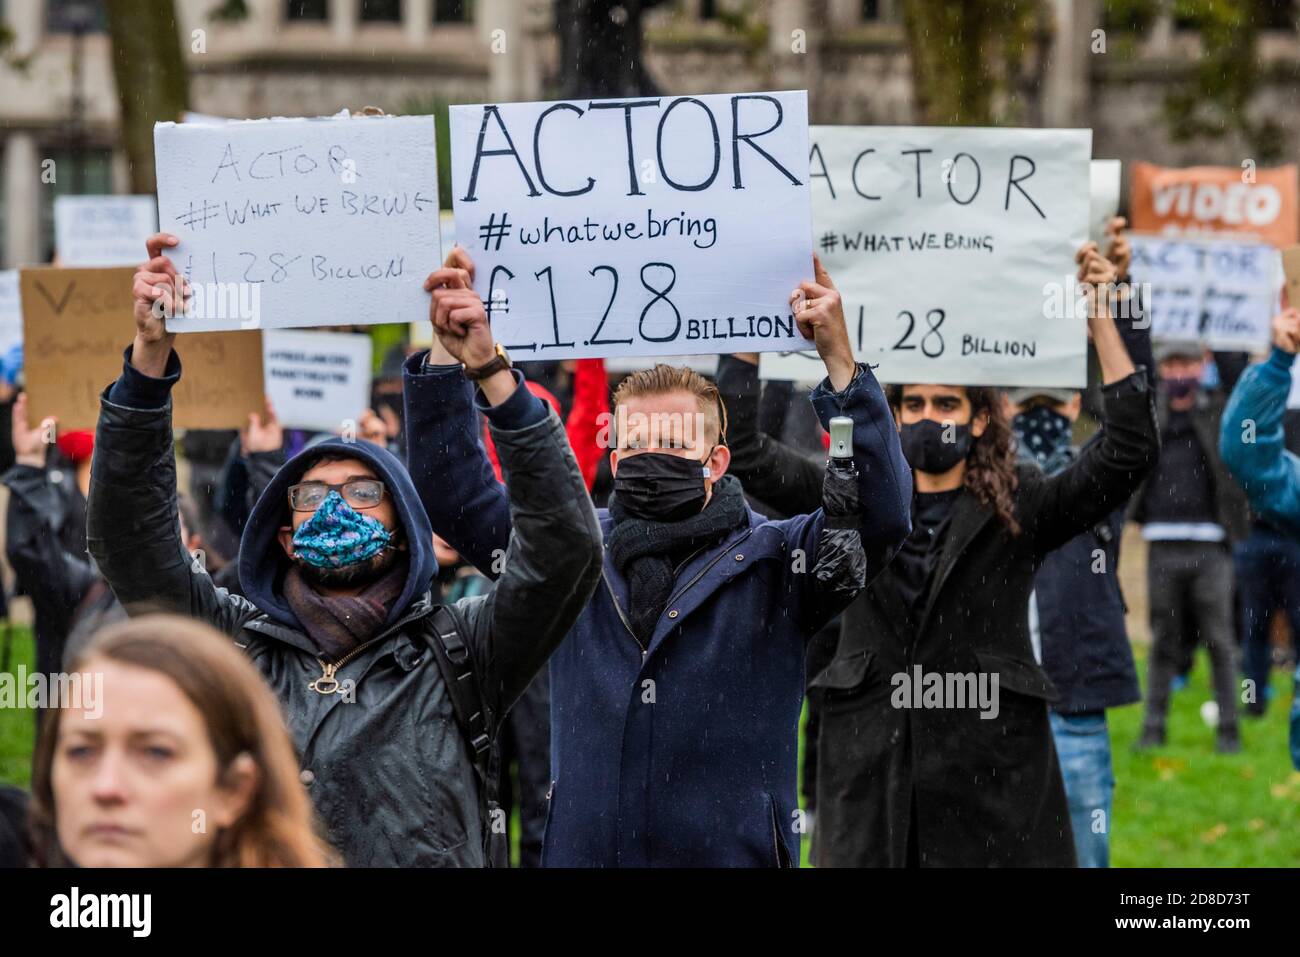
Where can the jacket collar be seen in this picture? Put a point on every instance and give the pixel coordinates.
(969, 516)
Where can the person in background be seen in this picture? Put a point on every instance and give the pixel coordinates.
(45, 529)
(181, 725)
(1076, 611)
(1191, 512)
(1252, 442)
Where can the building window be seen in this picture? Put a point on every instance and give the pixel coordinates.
(87, 171)
(453, 11)
(870, 10)
(69, 16)
(708, 9)
(307, 10)
(1279, 15)
(381, 11)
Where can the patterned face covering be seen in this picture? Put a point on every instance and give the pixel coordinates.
(338, 535)
(1045, 434)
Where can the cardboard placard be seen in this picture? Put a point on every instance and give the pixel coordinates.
(1216, 201)
(1221, 292)
(78, 322)
(103, 230)
(953, 250)
(300, 222)
(1291, 273)
(639, 227)
(317, 380)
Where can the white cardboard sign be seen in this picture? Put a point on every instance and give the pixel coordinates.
(953, 249)
(638, 227)
(1103, 198)
(313, 222)
(317, 380)
(11, 311)
(1221, 292)
(103, 230)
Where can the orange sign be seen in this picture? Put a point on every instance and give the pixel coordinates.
(1214, 200)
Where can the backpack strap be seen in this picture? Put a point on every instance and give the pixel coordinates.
(450, 651)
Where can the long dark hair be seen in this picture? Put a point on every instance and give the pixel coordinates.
(991, 461)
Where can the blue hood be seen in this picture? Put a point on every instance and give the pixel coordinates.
(262, 562)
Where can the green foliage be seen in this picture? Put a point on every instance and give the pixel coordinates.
(1216, 99)
(229, 11)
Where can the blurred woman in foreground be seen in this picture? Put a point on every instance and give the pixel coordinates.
(174, 756)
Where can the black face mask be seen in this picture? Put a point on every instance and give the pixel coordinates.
(660, 487)
(925, 449)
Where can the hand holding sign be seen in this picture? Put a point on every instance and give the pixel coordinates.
(1286, 330)
(29, 443)
(1097, 273)
(460, 323)
(1118, 250)
(261, 434)
(154, 288)
(821, 319)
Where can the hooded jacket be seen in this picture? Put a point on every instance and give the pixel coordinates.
(383, 759)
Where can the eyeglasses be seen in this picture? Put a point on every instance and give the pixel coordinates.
(359, 493)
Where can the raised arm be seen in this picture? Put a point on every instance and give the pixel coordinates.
(132, 528)
(55, 578)
(1251, 437)
(1108, 471)
(858, 527)
(771, 471)
(554, 555)
(471, 513)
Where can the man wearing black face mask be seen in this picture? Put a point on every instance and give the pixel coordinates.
(675, 699)
(935, 746)
(1192, 512)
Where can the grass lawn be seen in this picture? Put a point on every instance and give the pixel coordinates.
(18, 725)
(1181, 806)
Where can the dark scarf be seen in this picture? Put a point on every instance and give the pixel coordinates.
(337, 625)
(644, 551)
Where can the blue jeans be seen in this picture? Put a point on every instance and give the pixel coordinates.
(1268, 577)
(1083, 747)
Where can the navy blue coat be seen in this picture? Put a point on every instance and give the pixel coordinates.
(683, 754)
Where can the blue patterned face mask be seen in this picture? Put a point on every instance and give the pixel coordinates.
(1045, 434)
(338, 535)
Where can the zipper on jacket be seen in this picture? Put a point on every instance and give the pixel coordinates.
(329, 669)
(622, 617)
(703, 571)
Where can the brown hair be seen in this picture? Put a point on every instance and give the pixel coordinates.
(991, 461)
(663, 379)
(279, 827)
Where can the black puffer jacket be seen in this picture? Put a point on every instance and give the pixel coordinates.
(389, 772)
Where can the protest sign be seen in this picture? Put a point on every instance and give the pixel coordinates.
(1291, 273)
(11, 312)
(421, 329)
(1221, 292)
(1103, 198)
(317, 380)
(300, 222)
(953, 249)
(103, 230)
(1216, 200)
(648, 226)
(78, 322)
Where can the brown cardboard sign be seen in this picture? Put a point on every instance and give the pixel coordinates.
(76, 324)
(1291, 269)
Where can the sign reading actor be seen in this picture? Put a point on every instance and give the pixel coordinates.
(954, 251)
(645, 226)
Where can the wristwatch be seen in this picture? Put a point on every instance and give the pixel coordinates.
(498, 362)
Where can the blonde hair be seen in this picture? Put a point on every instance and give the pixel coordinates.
(663, 379)
(279, 828)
